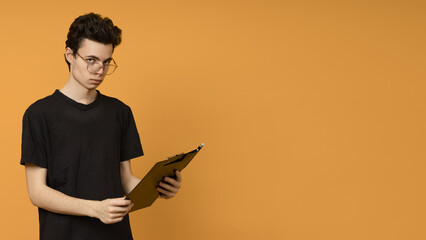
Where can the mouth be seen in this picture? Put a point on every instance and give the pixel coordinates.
(96, 81)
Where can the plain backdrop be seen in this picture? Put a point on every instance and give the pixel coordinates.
(312, 112)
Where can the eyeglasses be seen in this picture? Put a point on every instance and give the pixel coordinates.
(93, 65)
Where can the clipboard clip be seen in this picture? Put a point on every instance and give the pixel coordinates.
(196, 150)
(199, 147)
(174, 156)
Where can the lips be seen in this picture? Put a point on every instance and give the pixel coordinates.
(96, 81)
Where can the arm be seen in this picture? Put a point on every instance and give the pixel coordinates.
(167, 188)
(41, 195)
(128, 180)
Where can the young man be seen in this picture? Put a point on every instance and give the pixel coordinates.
(77, 144)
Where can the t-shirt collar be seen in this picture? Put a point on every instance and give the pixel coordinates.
(76, 104)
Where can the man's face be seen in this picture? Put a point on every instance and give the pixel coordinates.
(90, 51)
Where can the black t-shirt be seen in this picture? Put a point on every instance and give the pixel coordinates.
(81, 146)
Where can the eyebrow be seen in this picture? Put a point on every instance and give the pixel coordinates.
(92, 56)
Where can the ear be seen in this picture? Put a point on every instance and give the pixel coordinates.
(69, 55)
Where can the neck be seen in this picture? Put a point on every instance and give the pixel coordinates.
(79, 93)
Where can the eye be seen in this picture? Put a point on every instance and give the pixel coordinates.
(107, 62)
(91, 60)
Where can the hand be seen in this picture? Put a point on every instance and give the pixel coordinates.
(112, 210)
(169, 187)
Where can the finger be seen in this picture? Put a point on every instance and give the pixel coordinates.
(166, 193)
(173, 182)
(178, 176)
(120, 210)
(116, 220)
(120, 202)
(168, 187)
(116, 215)
(112, 221)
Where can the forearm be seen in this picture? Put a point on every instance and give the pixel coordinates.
(129, 183)
(109, 211)
(128, 180)
(52, 200)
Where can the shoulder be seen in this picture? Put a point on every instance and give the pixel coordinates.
(39, 107)
(115, 102)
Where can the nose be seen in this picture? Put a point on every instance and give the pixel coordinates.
(100, 70)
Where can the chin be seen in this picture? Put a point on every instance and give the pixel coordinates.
(92, 87)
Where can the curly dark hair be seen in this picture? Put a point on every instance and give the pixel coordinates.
(94, 27)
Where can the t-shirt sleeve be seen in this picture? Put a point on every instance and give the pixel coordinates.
(130, 141)
(33, 145)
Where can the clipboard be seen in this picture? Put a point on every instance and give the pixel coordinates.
(145, 193)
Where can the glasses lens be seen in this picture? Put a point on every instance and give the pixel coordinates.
(95, 67)
(109, 69)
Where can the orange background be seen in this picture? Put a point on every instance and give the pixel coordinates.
(313, 112)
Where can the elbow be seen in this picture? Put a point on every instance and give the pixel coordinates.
(34, 195)
(33, 199)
